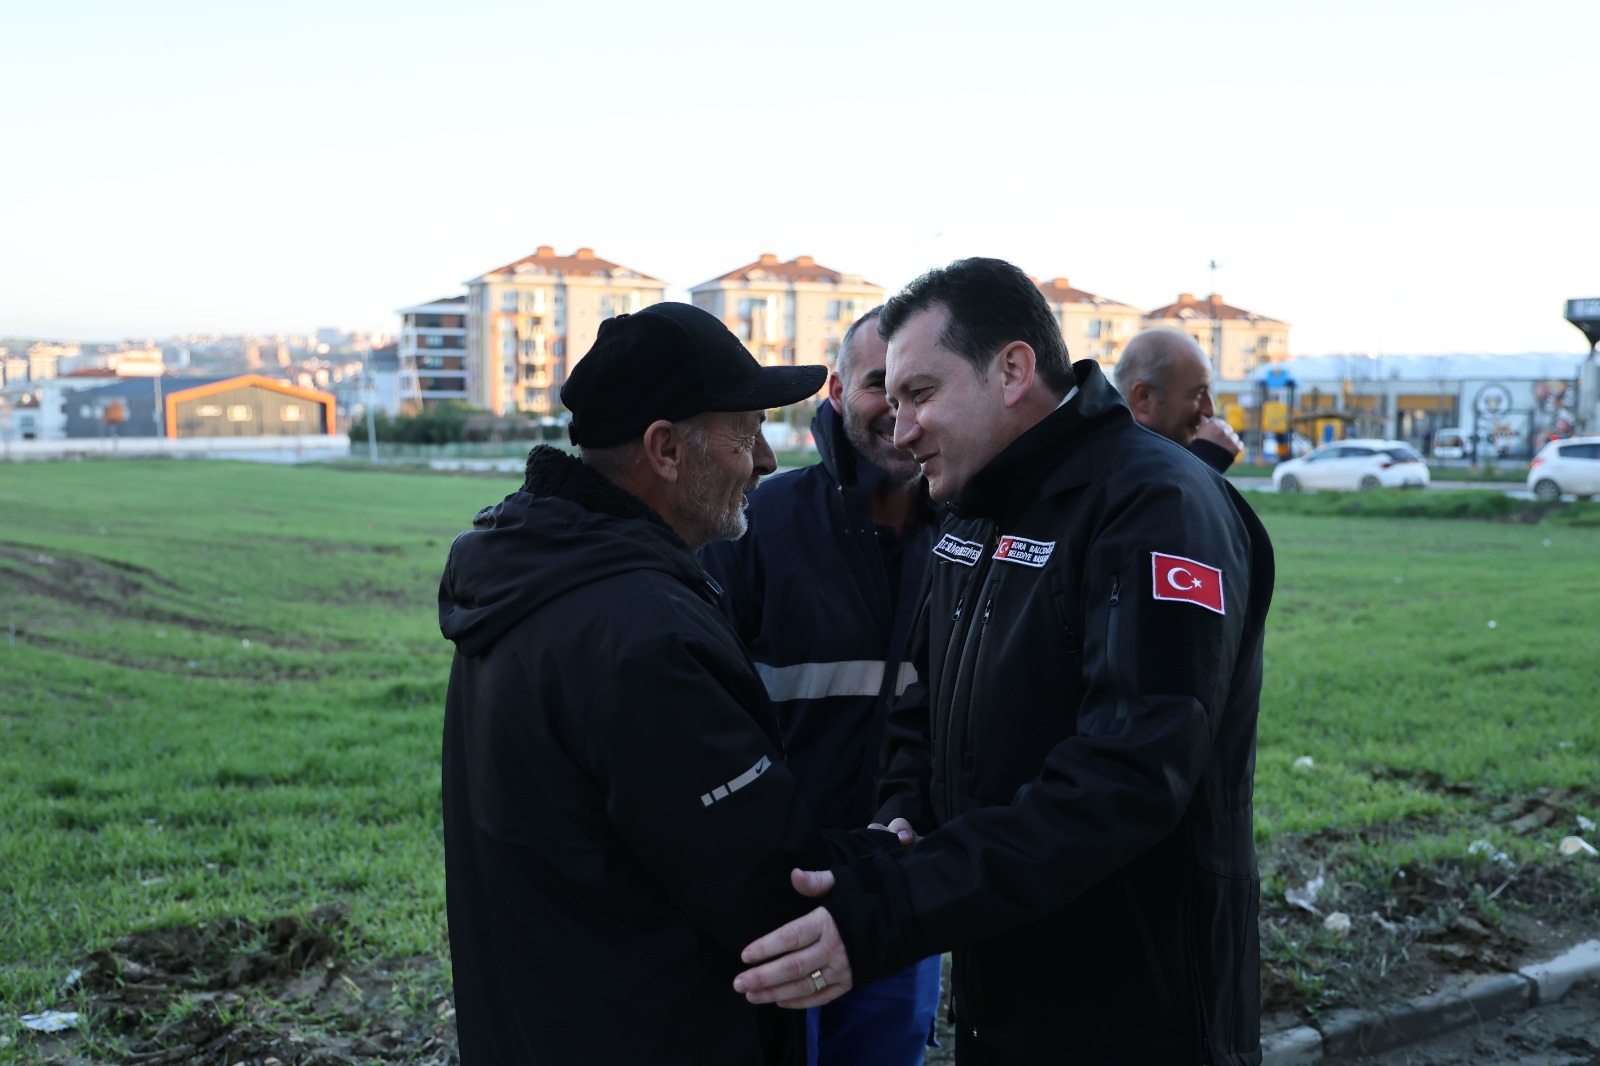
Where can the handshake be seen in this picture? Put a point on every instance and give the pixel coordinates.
(804, 964)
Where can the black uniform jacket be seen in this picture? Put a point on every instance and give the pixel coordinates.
(809, 592)
(1086, 768)
(618, 819)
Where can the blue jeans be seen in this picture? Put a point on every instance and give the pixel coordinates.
(887, 1023)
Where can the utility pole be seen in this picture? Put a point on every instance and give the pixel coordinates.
(1216, 326)
(372, 395)
(1585, 314)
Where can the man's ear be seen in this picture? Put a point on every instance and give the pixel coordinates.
(836, 393)
(1015, 365)
(664, 447)
(1142, 399)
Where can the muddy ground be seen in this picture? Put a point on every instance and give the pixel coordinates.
(286, 993)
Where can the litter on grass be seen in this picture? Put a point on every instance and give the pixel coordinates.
(52, 1021)
(1337, 923)
(1488, 850)
(1577, 846)
(1306, 898)
(1305, 762)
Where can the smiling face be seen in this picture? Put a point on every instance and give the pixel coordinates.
(1183, 401)
(864, 405)
(728, 455)
(949, 418)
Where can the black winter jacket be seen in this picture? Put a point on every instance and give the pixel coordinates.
(1087, 767)
(808, 591)
(618, 819)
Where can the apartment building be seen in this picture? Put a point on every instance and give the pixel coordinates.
(1237, 341)
(788, 313)
(433, 354)
(529, 321)
(1094, 327)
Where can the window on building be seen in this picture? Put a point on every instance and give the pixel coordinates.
(238, 412)
(1094, 329)
(508, 301)
(208, 410)
(293, 412)
(834, 310)
(433, 341)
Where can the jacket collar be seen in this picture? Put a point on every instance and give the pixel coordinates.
(1031, 465)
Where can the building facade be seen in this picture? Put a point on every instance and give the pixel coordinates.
(1094, 327)
(1237, 342)
(788, 313)
(433, 354)
(530, 321)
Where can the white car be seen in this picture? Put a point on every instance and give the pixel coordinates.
(1566, 466)
(1353, 464)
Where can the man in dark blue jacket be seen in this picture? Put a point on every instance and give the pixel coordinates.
(823, 590)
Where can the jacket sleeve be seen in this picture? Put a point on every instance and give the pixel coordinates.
(1215, 456)
(1156, 676)
(698, 791)
(904, 790)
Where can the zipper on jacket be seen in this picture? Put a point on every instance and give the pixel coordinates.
(955, 668)
(972, 719)
(1111, 619)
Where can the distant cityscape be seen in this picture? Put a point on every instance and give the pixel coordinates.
(504, 346)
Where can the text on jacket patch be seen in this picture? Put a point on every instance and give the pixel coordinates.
(953, 549)
(1024, 551)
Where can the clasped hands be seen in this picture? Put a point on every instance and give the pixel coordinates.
(786, 963)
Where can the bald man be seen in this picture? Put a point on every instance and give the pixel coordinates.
(1166, 380)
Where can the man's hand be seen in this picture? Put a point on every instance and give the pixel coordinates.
(900, 828)
(1221, 434)
(806, 946)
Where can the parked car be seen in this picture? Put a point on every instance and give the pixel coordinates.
(1566, 466)
(1353, 464)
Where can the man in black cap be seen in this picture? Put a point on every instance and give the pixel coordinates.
(618, 819)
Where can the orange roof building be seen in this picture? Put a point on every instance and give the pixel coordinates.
(530, 321)
(788, 313)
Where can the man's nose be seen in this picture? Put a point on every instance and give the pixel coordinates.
(905, 429)
(761, 456)
(1207, 408)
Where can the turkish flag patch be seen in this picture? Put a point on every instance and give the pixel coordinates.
(1177, 578)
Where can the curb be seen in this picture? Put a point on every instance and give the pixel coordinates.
(1353, 1032)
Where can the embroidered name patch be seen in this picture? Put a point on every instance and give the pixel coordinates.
(955, 550)
(1177, 578)
(1024, 551)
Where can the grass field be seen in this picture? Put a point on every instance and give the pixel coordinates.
(221, 687)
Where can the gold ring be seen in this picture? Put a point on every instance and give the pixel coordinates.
(817, 979)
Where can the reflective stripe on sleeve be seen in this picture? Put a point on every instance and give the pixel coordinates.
(815, 681)
(724, 791)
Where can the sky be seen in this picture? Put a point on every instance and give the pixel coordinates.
(1400, 176)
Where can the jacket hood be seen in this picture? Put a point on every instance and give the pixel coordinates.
(567, 527)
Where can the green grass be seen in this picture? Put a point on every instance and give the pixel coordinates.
(221, 687)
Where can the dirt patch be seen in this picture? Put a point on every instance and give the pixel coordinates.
(278, 994)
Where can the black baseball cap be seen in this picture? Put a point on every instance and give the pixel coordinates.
(671, 361)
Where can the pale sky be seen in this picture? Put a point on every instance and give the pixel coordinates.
(1400, 176)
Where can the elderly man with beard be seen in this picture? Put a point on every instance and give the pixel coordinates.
(823, 591)
(1165, 379)
(618, 818)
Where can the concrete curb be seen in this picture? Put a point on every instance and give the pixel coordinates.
(1351, 1032)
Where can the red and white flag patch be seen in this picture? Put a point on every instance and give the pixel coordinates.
(1177, 578)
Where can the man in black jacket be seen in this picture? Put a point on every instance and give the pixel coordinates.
(618, 819)
(1165, 379)
(823, 591)
(1092, 642)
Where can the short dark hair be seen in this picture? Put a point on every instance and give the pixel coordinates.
(991, 303)
(841, 362)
